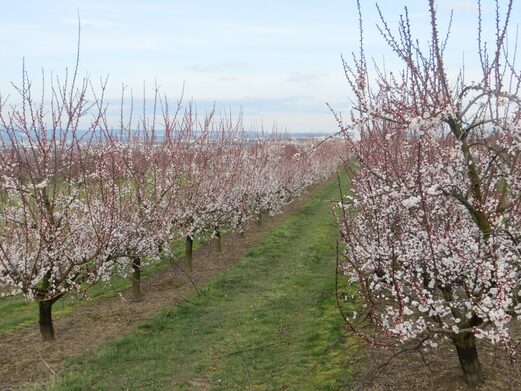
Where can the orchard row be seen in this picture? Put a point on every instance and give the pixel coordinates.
(81, 202)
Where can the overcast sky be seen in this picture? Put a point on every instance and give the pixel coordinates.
(277, 60)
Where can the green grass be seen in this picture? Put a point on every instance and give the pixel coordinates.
(17, 313)
(268, 323)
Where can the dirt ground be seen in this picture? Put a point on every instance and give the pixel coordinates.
(407, 369)
(26, 361)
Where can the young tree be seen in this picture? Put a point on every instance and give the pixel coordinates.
(433, 226)
(57, 222)
(147, 173)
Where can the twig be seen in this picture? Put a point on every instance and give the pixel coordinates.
(199, 292)
(45, 362)
(247, 373)
(250, 349)
(402, 351)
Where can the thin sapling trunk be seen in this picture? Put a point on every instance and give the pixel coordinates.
(136, 278)
(217, 241)
(189, 246)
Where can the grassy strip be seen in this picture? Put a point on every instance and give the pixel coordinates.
(17, 313)
(268, 323)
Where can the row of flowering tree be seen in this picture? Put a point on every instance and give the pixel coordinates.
(433, 226)
(82, 201)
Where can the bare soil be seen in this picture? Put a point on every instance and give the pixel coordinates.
(409, 369)
(26, 361)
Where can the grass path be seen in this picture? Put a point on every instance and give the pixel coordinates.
(268, 323)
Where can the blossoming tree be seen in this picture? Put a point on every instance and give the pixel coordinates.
(433, 226)
(57, 220)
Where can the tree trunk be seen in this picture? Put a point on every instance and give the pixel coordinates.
(465, 344)
(188, 253)
(136, 278)
(46, 327)
(217, 240)
(259, 219)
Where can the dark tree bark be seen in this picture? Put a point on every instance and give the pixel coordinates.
(136, 278)
(188, 253)
(217, 240)
(45, 320)
(465, 344)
